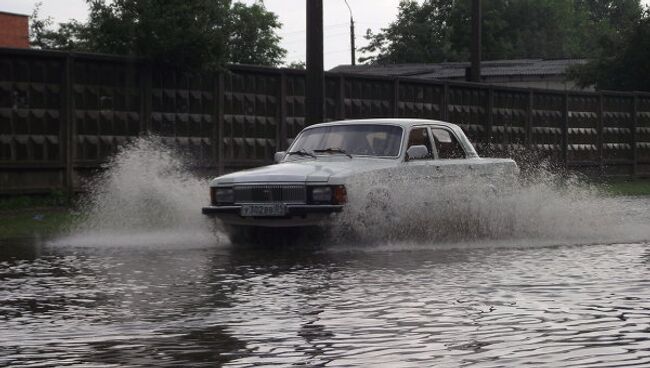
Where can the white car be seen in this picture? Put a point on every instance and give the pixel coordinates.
(308, 185)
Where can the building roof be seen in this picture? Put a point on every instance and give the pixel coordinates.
(456, 70)
(13, 14)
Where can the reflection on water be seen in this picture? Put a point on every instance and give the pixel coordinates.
(335, 306)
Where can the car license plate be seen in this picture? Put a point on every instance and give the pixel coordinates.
(276, 209)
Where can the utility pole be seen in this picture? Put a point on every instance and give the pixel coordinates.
(475, 72)
(315, 77)
(352, 47)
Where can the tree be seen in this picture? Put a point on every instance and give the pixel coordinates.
(299, 65)
(520, 29)
(252, 39)
(439, 30)
(189, 33)
(615, 12)
(420, 34)
(625, 67)
(608, 21)
(38, 28)
(43, 37)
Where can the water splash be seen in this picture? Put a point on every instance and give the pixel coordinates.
(145, 195)
(539, 208)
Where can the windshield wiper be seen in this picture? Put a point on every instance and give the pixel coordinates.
(302, 152)
(333, 150)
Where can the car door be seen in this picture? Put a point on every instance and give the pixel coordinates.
(422, 168)
(452, 161)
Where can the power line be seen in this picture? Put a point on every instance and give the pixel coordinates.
(339, 25)
(303, 39)
(305, 30)
(329, 35)
(337, 51)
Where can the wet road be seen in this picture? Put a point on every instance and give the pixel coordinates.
(549, 273)
(391, 305)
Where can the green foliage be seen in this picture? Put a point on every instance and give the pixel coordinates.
(54, 199)
(300, 65)
(421, 33)
(199, 34)
(440, 30)
(30, 223)
(39, 28)
(44, 37)
(625, 65)
(28, 216)
(627, 187)
(251, 37)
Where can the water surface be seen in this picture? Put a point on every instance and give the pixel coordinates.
(395, 305)
(541, 274)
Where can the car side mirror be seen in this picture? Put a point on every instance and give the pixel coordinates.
(417, 152)
(279, 156)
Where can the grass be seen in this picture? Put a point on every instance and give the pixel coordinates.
(626, 187)
(30, 216)
(11, 203)
(34, 222)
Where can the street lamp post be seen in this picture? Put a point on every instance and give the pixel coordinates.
(475, 71)
(352, 47)
(315, 75)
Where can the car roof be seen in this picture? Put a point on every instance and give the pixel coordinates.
(403, 122)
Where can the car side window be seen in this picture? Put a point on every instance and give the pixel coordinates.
(420, 136)
(447, 145)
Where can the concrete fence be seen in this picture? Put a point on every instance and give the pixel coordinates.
(62, 114)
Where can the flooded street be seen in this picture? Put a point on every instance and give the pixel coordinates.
(483, 305)
(545, 275)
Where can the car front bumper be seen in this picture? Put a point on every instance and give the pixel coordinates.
(296, 215)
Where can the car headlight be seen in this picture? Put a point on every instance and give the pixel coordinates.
(225, 195)
(321, 194)
(329, 195)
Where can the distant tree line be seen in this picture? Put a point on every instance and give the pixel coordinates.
(614, 34)
(202, 34)
(205, 34)
(621, 65)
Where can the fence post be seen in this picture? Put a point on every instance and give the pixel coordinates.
(220, 121)
(282, 124)
(68, 127)
(600, 141)
(341, 99)
(214, 134)
(528, 140)
(146, 97)
(490, 121)
(396, 98)
(444, 103)
(635, 121)
(565, 128)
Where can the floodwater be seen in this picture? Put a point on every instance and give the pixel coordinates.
(541, 277)
(400, 305)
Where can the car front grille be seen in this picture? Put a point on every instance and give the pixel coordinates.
(296, 194)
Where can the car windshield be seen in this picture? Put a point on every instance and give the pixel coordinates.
(362, 139)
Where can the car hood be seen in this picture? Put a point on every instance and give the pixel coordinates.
(321, 170)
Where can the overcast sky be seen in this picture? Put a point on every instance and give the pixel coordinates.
(373, 14)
